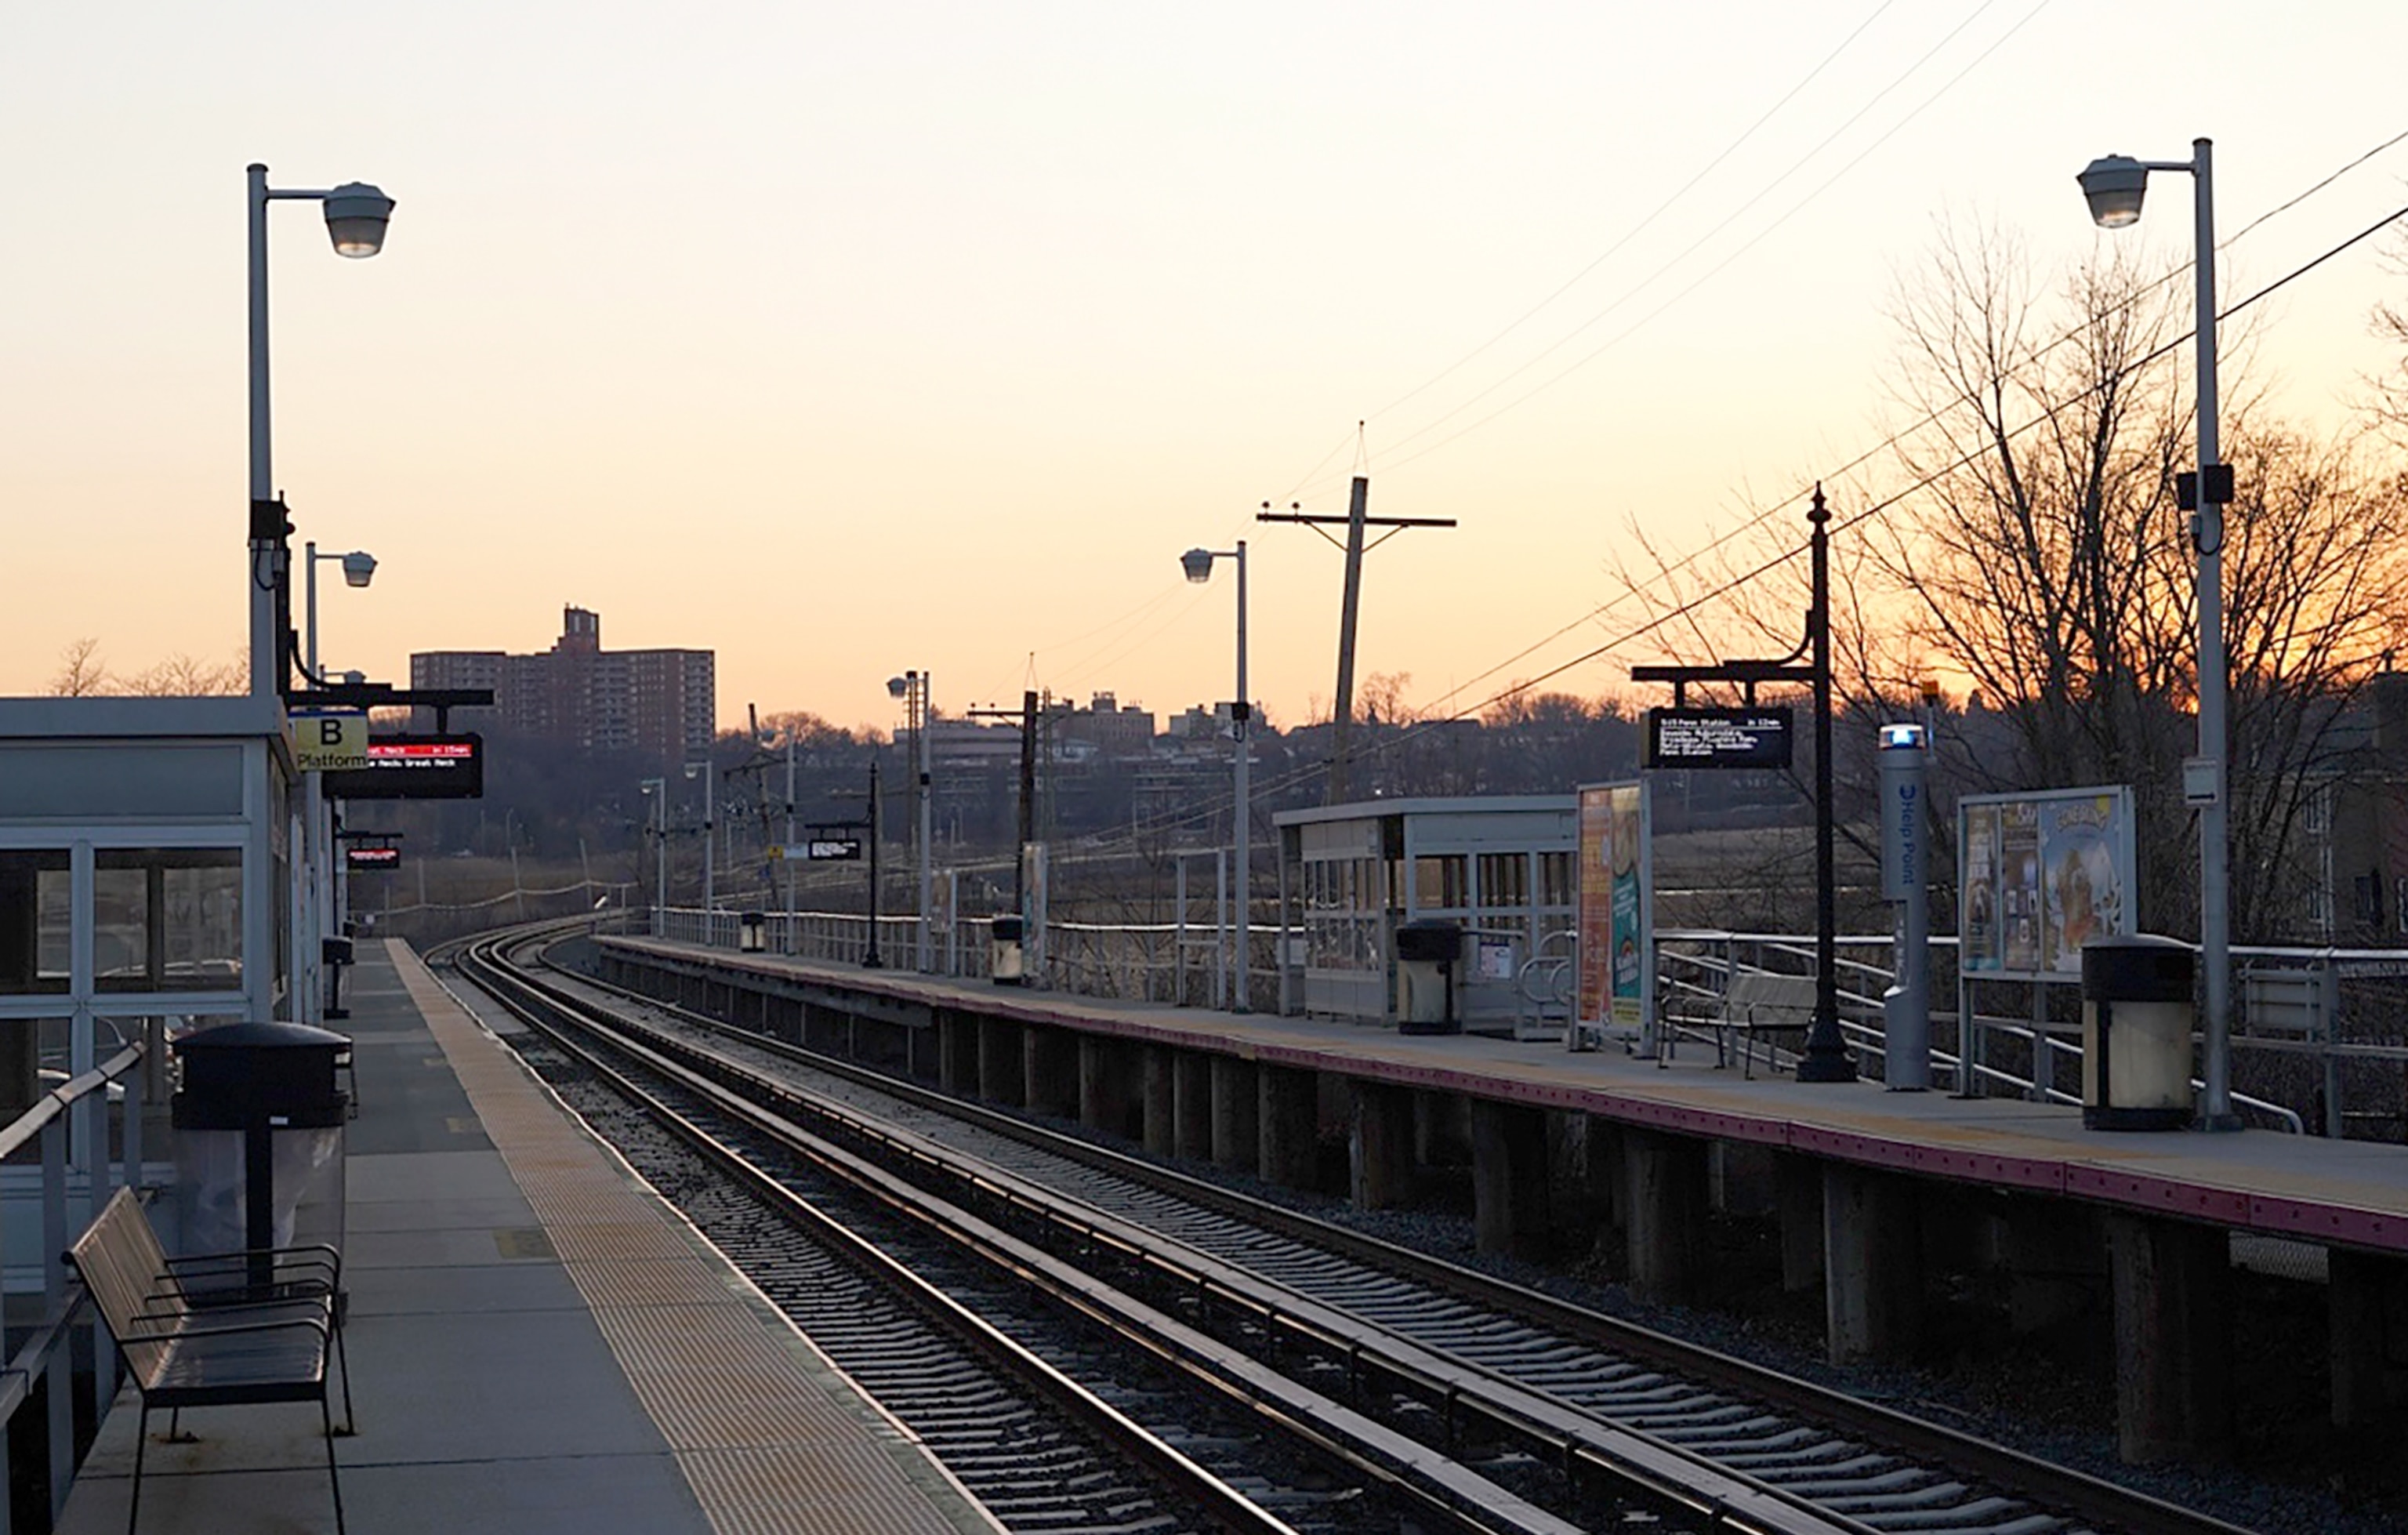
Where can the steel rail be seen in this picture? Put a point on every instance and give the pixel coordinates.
(1442, 1490)
(2089, 1498)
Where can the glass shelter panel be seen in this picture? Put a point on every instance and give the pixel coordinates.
(167, 919)
(36, 917)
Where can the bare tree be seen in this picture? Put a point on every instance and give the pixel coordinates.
(183, 676)
(81, 673)
(2031, 551)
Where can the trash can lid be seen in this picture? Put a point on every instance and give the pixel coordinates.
(2137, 967)
(272, 1035)
(1005, 924)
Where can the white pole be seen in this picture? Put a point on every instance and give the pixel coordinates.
(789, 859)
(2214, 913)
(261, 576)
(660, 858)
(928, 850)
(709, 863)
(1243, 721)
(314, 829)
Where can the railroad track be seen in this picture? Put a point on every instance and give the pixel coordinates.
(1464, 1362)
(1069, 1411)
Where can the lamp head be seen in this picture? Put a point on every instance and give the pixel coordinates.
(2113, 184)
(1197, 563)
(356, 214)
(898, 686)
(359, 567)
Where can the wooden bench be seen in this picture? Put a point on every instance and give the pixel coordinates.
(216, 1329)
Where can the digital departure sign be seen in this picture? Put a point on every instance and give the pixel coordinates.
(1718, 738)
(415, 767)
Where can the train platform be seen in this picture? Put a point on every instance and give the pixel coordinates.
(537, 1342)
(2306, 1188)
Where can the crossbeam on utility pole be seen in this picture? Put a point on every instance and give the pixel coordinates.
(1341, 717)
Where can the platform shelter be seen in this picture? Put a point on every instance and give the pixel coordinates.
(1503, 867)
(146, 850)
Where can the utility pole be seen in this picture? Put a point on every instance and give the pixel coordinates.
(1357, 518)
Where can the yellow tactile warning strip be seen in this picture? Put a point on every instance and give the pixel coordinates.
(769, 1435)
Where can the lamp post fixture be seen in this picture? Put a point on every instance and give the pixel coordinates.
(912, 689)
(356, 214)
(2113, 186)
(1197, 563)
(708, 890)
(325, 903)
(657, 789)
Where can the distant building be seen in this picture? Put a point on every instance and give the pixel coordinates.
(1113, 730)
(663, 703)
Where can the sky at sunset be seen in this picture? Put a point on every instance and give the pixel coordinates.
(847, 338)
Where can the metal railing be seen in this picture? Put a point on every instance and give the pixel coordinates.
(1153, 962)
(1695, 967)
(71, 1123)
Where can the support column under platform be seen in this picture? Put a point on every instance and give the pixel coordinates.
(1159, 1104)
(1511, 1212)
(2370, 1337)
(1380, 1146)
(1289, 1111)
(1050, 1070)
(1109, 1101)
(1873, 1264)
(1665, 1213)
(1002, 1071)
(1237, 1116)
(1191, 1105)
(2172, 1284)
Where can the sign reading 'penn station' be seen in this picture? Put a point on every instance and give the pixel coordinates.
(1718, 738)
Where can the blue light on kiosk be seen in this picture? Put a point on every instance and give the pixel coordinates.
(1902, 738)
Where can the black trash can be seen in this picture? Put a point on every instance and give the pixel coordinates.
(2136, 1027)
(259, 1140)
(749, 928)
(1428, 953)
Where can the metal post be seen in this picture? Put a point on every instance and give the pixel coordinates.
(709, 863)
(2214, 913)
(926, 830)
(789, 860)
(1028, 803)
(1220, 929)
(1341, 716)
(869, 960)
(267, 645)
(1242, 716)
(1179, 931)
(1906, 1006)
(1827, 1058)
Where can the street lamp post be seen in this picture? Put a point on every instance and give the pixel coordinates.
(359, 569)
(356, 214)
(2113, 186)
(913, 688)
(658, 790)
(1197, 563)
(709, 893)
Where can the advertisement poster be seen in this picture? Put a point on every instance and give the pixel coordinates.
(2041, 874)
(1616, 932)
(1595, 898)
(1978, 932)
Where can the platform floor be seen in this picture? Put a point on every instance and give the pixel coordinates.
(2304, 1187)
(539, 1344)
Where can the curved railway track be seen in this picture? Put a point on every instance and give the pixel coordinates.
(1075, 1413)
(1467, 1364)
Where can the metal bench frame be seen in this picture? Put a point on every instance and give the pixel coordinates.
(1753, 1002)
(265, 1335)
